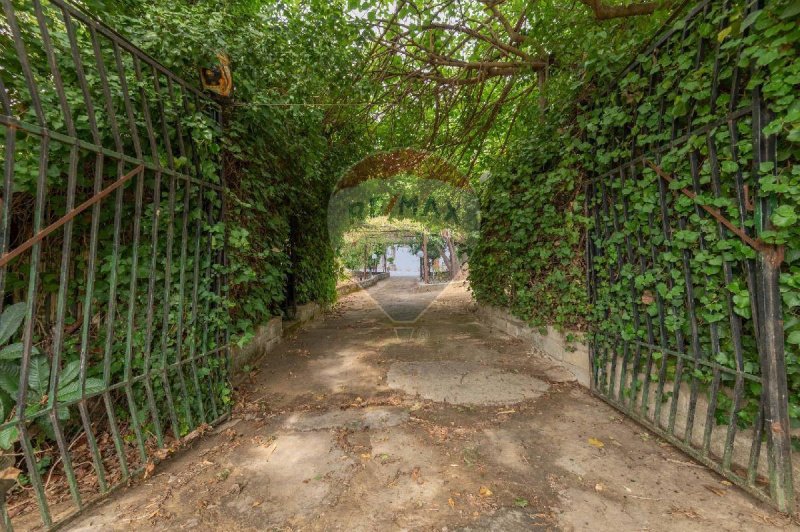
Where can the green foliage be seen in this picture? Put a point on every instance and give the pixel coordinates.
(530, 257)
(283, 154)
(280, 147)
(525, 258)
(69, 388)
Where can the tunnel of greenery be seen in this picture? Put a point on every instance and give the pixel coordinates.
(521, 103)
(318, 86)
(512, 94)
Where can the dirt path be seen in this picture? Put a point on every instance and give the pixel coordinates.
(359, 423)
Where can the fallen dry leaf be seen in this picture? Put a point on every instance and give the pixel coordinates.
(689, 513)
(161, 454)
(485, 492)
(715, 490)
(196, 433)
(594, 442)
(148, 469)
(10, 473)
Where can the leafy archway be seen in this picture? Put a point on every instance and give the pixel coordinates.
(403, 190)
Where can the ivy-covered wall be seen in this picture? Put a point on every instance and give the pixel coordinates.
(282, 154)
(531, 255)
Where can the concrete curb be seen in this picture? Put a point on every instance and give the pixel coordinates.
(432, 287)
(270, 335)
(355, 286)
(571, 355)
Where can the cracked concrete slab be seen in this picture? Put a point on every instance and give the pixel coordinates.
(503, 452)
(464, 383)
(505, 520)
(353, 419)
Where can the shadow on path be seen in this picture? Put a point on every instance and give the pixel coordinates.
(351, 425)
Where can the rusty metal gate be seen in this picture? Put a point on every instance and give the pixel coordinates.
(689, 339)
(113, 332)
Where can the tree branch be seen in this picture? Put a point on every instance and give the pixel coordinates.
(605, 12)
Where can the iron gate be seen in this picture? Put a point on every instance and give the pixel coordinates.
(689, 339)
(113, 336)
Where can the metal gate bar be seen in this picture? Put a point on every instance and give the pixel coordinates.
(666, 351)
(142, 363)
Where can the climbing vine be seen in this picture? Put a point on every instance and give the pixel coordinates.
(155, 291)
(531, 254)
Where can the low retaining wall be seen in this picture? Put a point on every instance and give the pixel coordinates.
(432, 287)
(571, 355)
(574, 357)
(353, 286)
(270, 334)
(266, 338)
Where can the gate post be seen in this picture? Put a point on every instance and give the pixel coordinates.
(774, 389)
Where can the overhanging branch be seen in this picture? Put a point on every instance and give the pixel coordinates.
(605, 12)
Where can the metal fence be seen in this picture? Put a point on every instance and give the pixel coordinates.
(112, 253)
(690, 339)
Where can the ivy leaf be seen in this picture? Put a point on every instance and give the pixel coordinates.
(748, 21)
(10, 321)
(791, 11)
(39, 374)
(793, 338)
(784, 216)
(8, 436)
(741, 301)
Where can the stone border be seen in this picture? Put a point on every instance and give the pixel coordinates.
(269, 335)
(432, 287)
(355, 286)
(572, 356)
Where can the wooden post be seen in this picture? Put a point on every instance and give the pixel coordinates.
(425, 258)
(455, 265)
(770, 340)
